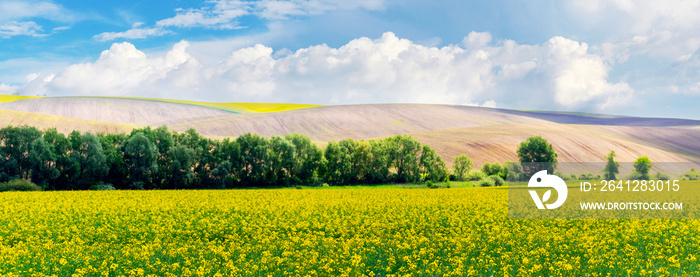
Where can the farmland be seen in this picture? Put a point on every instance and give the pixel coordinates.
(321, 232)
(485, 134)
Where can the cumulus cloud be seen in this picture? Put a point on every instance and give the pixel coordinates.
(560, 73)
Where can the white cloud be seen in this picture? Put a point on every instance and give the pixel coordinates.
(559, 72)
(578, 76)
(134, 33)
(477, 39)
(16, 10)
(224, 14)
(281, 9)
(7, 89)
(15, 17)
(14, 28)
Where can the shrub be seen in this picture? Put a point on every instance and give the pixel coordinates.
(102, 186)
(475, 175)
(662, 176)
(431, 185)
(19, 185)
(635, 176)
(487, 182)
(497, 180)
(691, 175)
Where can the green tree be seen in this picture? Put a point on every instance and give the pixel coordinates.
(404, 154)
(64, 164)
(612, 167)
(642, 166)
(93, 162)
(140, 156)
(42, 162)
(254, 154)
(431, 165)
(308, 159)
(179, 173)
(281, 161)
(380, 162)
(112, 148)
(512, 172)
(15, 145)
(461, 165)
(338, 167)
(537, 154)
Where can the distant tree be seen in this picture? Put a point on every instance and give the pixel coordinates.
(42, 162)
(491, 169)
(226, 171)
(93, 162)
(15, 145)
(612, 167)
(222, 175)
(67, 170)
(380, 162)
(642, 166)
(512, 171)
(308, 159)
(254, 154)
(537, 154)
(281, 161)
(461, 165)
(431, 165)
(404, 154)
(140, 156)
(362, 160)
(164, 141)
(338, 166)
(179, 172)
(112, 148)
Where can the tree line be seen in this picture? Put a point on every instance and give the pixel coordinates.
(159, 158)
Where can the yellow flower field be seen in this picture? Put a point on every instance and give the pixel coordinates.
(324, 232)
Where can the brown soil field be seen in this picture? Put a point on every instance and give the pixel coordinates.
(116, 110)
(485, 134)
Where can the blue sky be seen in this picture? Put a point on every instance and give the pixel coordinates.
(615, 57)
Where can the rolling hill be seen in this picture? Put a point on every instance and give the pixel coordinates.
(485, 134)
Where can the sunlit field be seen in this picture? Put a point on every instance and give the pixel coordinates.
(324, 232)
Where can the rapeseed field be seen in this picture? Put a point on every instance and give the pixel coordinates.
(324, 232)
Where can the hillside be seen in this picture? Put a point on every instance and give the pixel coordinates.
(484, 134)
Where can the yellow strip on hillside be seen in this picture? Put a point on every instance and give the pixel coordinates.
(232, 107)
(269, 107)
(10, 98)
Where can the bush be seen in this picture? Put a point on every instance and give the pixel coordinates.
(691, 175)
(487, 182)
(635, 176)
(662, 176)
(497, 180)
(102, 186)
(19, 185)
(431, 185)
(475, 175)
